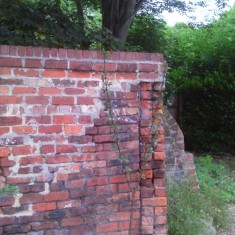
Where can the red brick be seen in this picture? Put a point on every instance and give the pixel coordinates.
(126, 76)
(71, 221)
(4, 90)
(53, 73)
(49, 90)
(81, 66)
(38, 120)
(85, 100)
(5, 152)
(147, 174)
(5, 71)
(118, 216)
(26, 72)
(31, 198)
(97, 181)
(84, 157)
(50, 129)
(7, 221)
(4, 130)
(104, 139)
(4, 162)
(7, 200)
(33, 63)
(44, 178)
(74, 91)
(37, 100)
(127, 67)
(65, 149)
(24, 90)
(57, 159)
(47, 149)
(91, 165)
(75, 183)
(160, 219)
(23, 150)
(148, 67)
(63, 100)
(76, 74)
(31, 160)
(104, 228)
(64, 119)
(56, 64)
(10, 62)
(117, 179)
(155, 201)
(44, 206)
(80, 139)
(109, 67)
(160, 210)
(68, 204)
(73, 129)
(56, 196)
(24, 129)
(10, 100)
(84, 120)
(159, 156)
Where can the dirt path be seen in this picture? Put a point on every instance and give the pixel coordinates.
(231, 231)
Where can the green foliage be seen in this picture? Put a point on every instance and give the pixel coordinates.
(8, 189)
(216, 176)
(202, 62)
(188, 207)
(40, 23)
(146, 34)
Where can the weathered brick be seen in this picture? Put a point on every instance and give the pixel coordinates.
(65, 149)
(10, 100)
(97, 181)
(73, 129)
(57, 159)
(26, 72)
(44, 206)
(31, 198)
(49, 91)
(10, 62)
(56, 196)
(56, 64)
(24, 129)
(7, 200)
(63, 100)
(104, 228)
(50, 73)
(50, 129)
(80, 139)
(85, 100)
(71, 221)
(5, 152)
(64, 119)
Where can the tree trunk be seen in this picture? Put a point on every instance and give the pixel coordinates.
(118, 16)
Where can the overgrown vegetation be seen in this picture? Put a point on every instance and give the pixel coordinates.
(202, 74)
(8, 190)
(187, 207)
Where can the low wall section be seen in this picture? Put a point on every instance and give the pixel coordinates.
(57, 142)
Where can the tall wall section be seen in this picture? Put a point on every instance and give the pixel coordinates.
(57, 146)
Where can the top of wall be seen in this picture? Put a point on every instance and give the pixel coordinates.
(60, 53)
(139, 65)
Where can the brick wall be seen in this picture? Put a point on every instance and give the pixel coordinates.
(56, 143)
(179, 164)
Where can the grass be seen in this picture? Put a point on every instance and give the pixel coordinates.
(187, 207)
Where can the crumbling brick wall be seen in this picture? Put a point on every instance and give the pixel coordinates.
(56, 143)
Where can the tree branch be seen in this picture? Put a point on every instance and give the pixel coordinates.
(138, 6)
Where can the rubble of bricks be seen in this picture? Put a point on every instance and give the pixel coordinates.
(56, 143)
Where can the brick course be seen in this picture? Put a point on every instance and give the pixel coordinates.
(56, 142)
